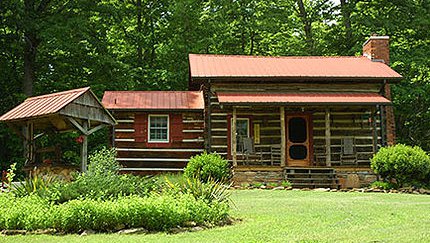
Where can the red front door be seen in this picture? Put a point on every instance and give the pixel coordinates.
(298, 140)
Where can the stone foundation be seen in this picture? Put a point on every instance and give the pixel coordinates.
(355, 178)
(241, 177)
(348, 177)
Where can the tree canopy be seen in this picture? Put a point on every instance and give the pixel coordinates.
(54, 45)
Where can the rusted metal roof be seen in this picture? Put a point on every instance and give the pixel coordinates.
(231, 66)
(43, 105)
(153, 100)
(303, 98)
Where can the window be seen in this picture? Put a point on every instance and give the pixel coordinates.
(158, 129)
(242, 131)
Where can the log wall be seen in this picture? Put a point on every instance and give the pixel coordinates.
(186, 139)
(361, 123)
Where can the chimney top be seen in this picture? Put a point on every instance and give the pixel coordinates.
(376, 37)
(377, 48)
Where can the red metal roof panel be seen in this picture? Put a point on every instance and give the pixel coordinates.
(43, 104)
(303, 98)
(154, 100)
(222, 66)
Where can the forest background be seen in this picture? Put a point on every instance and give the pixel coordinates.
(54, 45)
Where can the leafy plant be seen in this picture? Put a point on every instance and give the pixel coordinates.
(103, 162)
(257, 184)
(208, 166)
(155, 212)
(382, 185)
(286, 184)
(210, 191)
(34, 184)
(402, 165)
(10, 175)
(272, 184)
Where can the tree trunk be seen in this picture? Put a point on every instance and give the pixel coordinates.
(30, 48)
(346, 19)
(307, 26)
(139, 33)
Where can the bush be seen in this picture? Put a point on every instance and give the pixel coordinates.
(35, 184)
(382, 185)
(210, 191)
(155, 212)
(402, 165)
(103, 162)
(101, 187)
(206, 166)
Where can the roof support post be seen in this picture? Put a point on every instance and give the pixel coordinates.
(283, 137)
(84, 149)
(234, 138)
(327, 137)
(374, 130)
(28, 132)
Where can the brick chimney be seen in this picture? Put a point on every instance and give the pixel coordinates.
(377, 48)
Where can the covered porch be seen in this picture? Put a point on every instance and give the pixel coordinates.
(280, 131)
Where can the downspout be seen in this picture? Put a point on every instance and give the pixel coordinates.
(209, 118)
(382, 117)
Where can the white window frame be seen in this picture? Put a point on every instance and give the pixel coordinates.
(248, 131)
(149, 129)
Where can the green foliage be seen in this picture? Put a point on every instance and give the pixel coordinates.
(210, 190)
(404, 164)
(208, 166)
(103, 163)
(382, 185)
(10, 175)
(101, 187)
(155, 212)
(35, 184)
(286, 184)
(71, 157)
(257, 184)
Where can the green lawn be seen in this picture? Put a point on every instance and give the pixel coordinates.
(306, 216)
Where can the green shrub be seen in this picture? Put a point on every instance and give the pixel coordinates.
(402, 165)
(101, 187)
(103, 162)
(382, 185)
(35, 184)
(210, 191)
(155, 212)
(206, 166)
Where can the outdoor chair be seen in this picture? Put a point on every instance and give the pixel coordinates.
(249, 152)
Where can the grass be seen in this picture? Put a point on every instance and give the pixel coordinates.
(298, 216)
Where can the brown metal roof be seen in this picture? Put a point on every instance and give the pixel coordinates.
(43, 105)
(154, 100)
(231, 66)
(303, 98)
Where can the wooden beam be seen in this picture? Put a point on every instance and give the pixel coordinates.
(84, 149)
(78, 126)
(95, 129)
(234, 138)
(283, 138)
(327, 137)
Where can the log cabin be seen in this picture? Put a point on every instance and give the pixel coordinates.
(315, 121)
(156, 131)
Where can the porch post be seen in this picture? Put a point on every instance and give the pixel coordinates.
(234, 138)
(283, 137)
(374, 130)
(84, 149)
(327, 137)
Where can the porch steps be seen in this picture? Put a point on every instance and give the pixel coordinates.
(312, 177)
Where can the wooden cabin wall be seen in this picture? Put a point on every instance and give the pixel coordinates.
(354, 122)
(169, 157)
(351, 121)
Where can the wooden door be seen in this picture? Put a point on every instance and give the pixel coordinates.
(298, 140)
